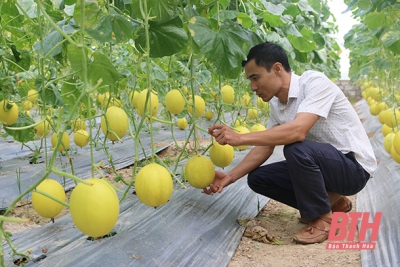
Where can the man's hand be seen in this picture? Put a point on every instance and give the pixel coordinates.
(224, 135)
(221, 180)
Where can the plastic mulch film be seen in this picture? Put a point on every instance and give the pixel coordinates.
(381, 194)
(192, 229)
(11, 186)
(17, 174)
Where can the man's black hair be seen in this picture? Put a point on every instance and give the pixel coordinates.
(266, 54)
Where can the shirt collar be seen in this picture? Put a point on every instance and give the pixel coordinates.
(293, 90)
(294, 86)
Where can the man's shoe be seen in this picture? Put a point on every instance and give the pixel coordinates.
(342, 205)
(316, 231)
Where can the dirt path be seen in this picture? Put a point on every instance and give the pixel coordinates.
(281, 222)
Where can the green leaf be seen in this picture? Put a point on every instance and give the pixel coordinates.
(292, 10)
(325, 12)
(69, 91)
(21, 59)
(10, 15)
(300, 21)
(365, 71)
(30, 7)
(92, 14)
(307, 33)
(305, 43)
(319, 39)
(273, 8)
(25, 135)
(70, 27)
(273, 20)
(69, 2)
(70, 94)
(225, 49)
(385, 4)
(246, 21)
(226, 14)
(375, 20)
(273, 37)
(204, 76)
(301, 43)
(292, 29)
(350, 5)
(364, 7)
(383, 64)
(48, 43)
(75, 58)
(122, 28)
(101, 26)
(391, 40)
(108, 24)
(166, 37)
(305, 7)
(120, 4)
(102, 68)
(317, 5)
(282, 41)
(286, 19)
(102, 30)
(301, 57)
(369, 52)
(158, 10)
(155, 72)
(320, 56)
(224, 3)
(52, 96)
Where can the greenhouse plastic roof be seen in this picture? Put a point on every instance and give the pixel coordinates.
(381, 194)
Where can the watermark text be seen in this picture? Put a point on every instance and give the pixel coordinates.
(344, 228)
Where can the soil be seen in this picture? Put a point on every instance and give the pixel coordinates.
(279, 222)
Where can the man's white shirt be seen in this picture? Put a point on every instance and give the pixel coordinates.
(338, 125)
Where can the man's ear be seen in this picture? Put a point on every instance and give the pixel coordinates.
(277, 67)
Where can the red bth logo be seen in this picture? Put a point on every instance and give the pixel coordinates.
(341, 238)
